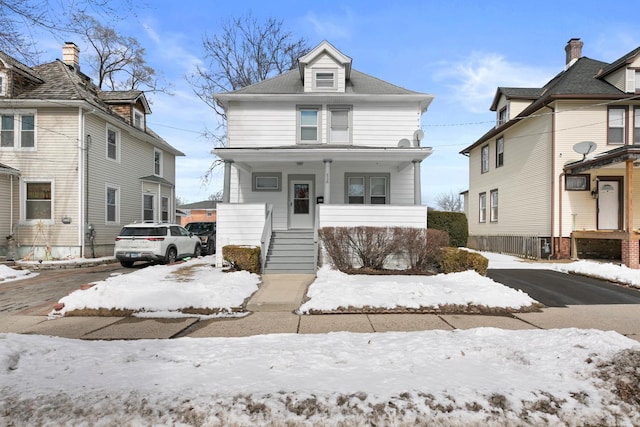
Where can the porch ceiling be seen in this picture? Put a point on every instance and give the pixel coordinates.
(610, 158)
(320, 153)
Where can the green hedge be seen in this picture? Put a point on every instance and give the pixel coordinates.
(454, 223)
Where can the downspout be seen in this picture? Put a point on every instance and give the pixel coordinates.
(417, 191)
(553, 185)
(82, 162)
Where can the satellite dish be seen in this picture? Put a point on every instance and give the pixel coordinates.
(404, 142)
(584, 148)
(417, 136)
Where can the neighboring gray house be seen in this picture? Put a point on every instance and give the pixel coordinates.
(321, 145)
(76, 162)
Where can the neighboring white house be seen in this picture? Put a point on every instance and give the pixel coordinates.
(560, 162)
(321, 145)
(76, 162)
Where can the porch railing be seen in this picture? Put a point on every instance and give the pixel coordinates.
(265, 239)
(517, 245)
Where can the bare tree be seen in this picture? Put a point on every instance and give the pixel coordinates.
(450, 201)
(216, 197)
(119, 60)
(21, 20)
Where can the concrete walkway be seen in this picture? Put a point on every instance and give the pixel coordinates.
(272, 310)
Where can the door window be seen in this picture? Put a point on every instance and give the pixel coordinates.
(301, 198)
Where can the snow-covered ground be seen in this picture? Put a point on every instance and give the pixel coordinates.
(481, 376)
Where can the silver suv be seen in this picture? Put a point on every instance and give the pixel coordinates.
(155, 242)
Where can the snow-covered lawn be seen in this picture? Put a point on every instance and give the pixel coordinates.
(8, 274)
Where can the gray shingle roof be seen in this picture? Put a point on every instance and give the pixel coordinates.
(206, 204)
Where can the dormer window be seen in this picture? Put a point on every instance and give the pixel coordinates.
(637, 81)
(138, 119)
(503, 116)
(3, 83)
(324, 79)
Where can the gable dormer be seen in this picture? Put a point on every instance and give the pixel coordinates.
(131, 105)
(324, 69)
(15, 77)
(624, 73)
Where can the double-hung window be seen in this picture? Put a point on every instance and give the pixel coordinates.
(370, 189)
(165, 209)
(17, 130)
(482, 207)
(499, 152)
(494, 206)
(157, 162)
(636, 125)
(138, 119)
(484, 159)
(616, 133)
(38, 200)
(147, 207)
(112, 205)
(308, 124)
(113, 143)
(503, 116)
(339, 125)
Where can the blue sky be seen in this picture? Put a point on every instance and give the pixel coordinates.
(458, 51)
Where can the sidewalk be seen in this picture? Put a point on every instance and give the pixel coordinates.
(272, 311)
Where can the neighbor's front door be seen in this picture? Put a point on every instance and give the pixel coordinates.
(609, 205)
(301, 204)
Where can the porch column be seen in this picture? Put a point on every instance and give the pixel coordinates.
(327, 180)
(630, 247)
(417, 191)
(227, 181)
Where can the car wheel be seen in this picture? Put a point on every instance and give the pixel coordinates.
(126, 264)
(211, 247)
(171, 256)
(197, 251)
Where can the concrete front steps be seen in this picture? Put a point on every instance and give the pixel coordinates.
(290, 252)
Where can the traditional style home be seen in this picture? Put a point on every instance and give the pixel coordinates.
(559, 163)
(321, 145)
(76, 162)
(197, 212)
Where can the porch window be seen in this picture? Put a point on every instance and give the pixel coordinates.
(482, 207)
(266, 181)
(494, 206)
(484, 159)
(147, 207)
(577, 182)
(112, 205)
(367, 189)
(636, 125)
(616, 134)
(308, 129)
(17, 130)
(165, 209)
(500, 152)
(339, 118)
(38, 200)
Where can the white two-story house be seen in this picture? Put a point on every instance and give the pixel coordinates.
(76, 162)
(318, 146)
(561, 162)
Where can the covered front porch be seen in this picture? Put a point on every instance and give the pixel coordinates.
(616, 216)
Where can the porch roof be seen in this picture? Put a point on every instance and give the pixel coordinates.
(8, 170)
(308, 153)
(617, 155)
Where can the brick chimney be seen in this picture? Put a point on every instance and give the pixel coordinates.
(71, 55)
(574, 51)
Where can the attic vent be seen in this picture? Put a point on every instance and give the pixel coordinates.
(325, 80)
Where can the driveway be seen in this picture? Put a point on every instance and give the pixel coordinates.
(555, 289)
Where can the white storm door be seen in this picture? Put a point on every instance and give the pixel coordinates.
(608, 205)
(301, 204)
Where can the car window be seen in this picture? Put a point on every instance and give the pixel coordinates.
(143, 231)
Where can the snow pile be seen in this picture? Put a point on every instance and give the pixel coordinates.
(8, 274)
(481, 376)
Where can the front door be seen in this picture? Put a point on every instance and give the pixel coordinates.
(609, 205)
(301, 203)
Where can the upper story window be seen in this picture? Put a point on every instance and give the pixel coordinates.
(499, 152)
(636, 126)
(138, 119)
(637, 81)
(308, 124)
(18, 129)
(324, 79)
(3, 83)
(157, 162)
(113, 143)
(340, 125)
(503, 116)
(484, 159)
(616, 123)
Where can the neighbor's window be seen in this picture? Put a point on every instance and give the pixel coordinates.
(369, 189)
(17, 130)
(494, 206)
(636, 125)
(325, 80)
(503, 116)
(484, 159)
(339, 118)
(157, 162)
(147, 207)
(38, 201)
(112, 205)
(500, 152)
(165, 209)
(113, 143)
(577, 182)
(308, 119)
(266, 181)
(3, 85)
(482, 207)
(616, 134)
(138, 119)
